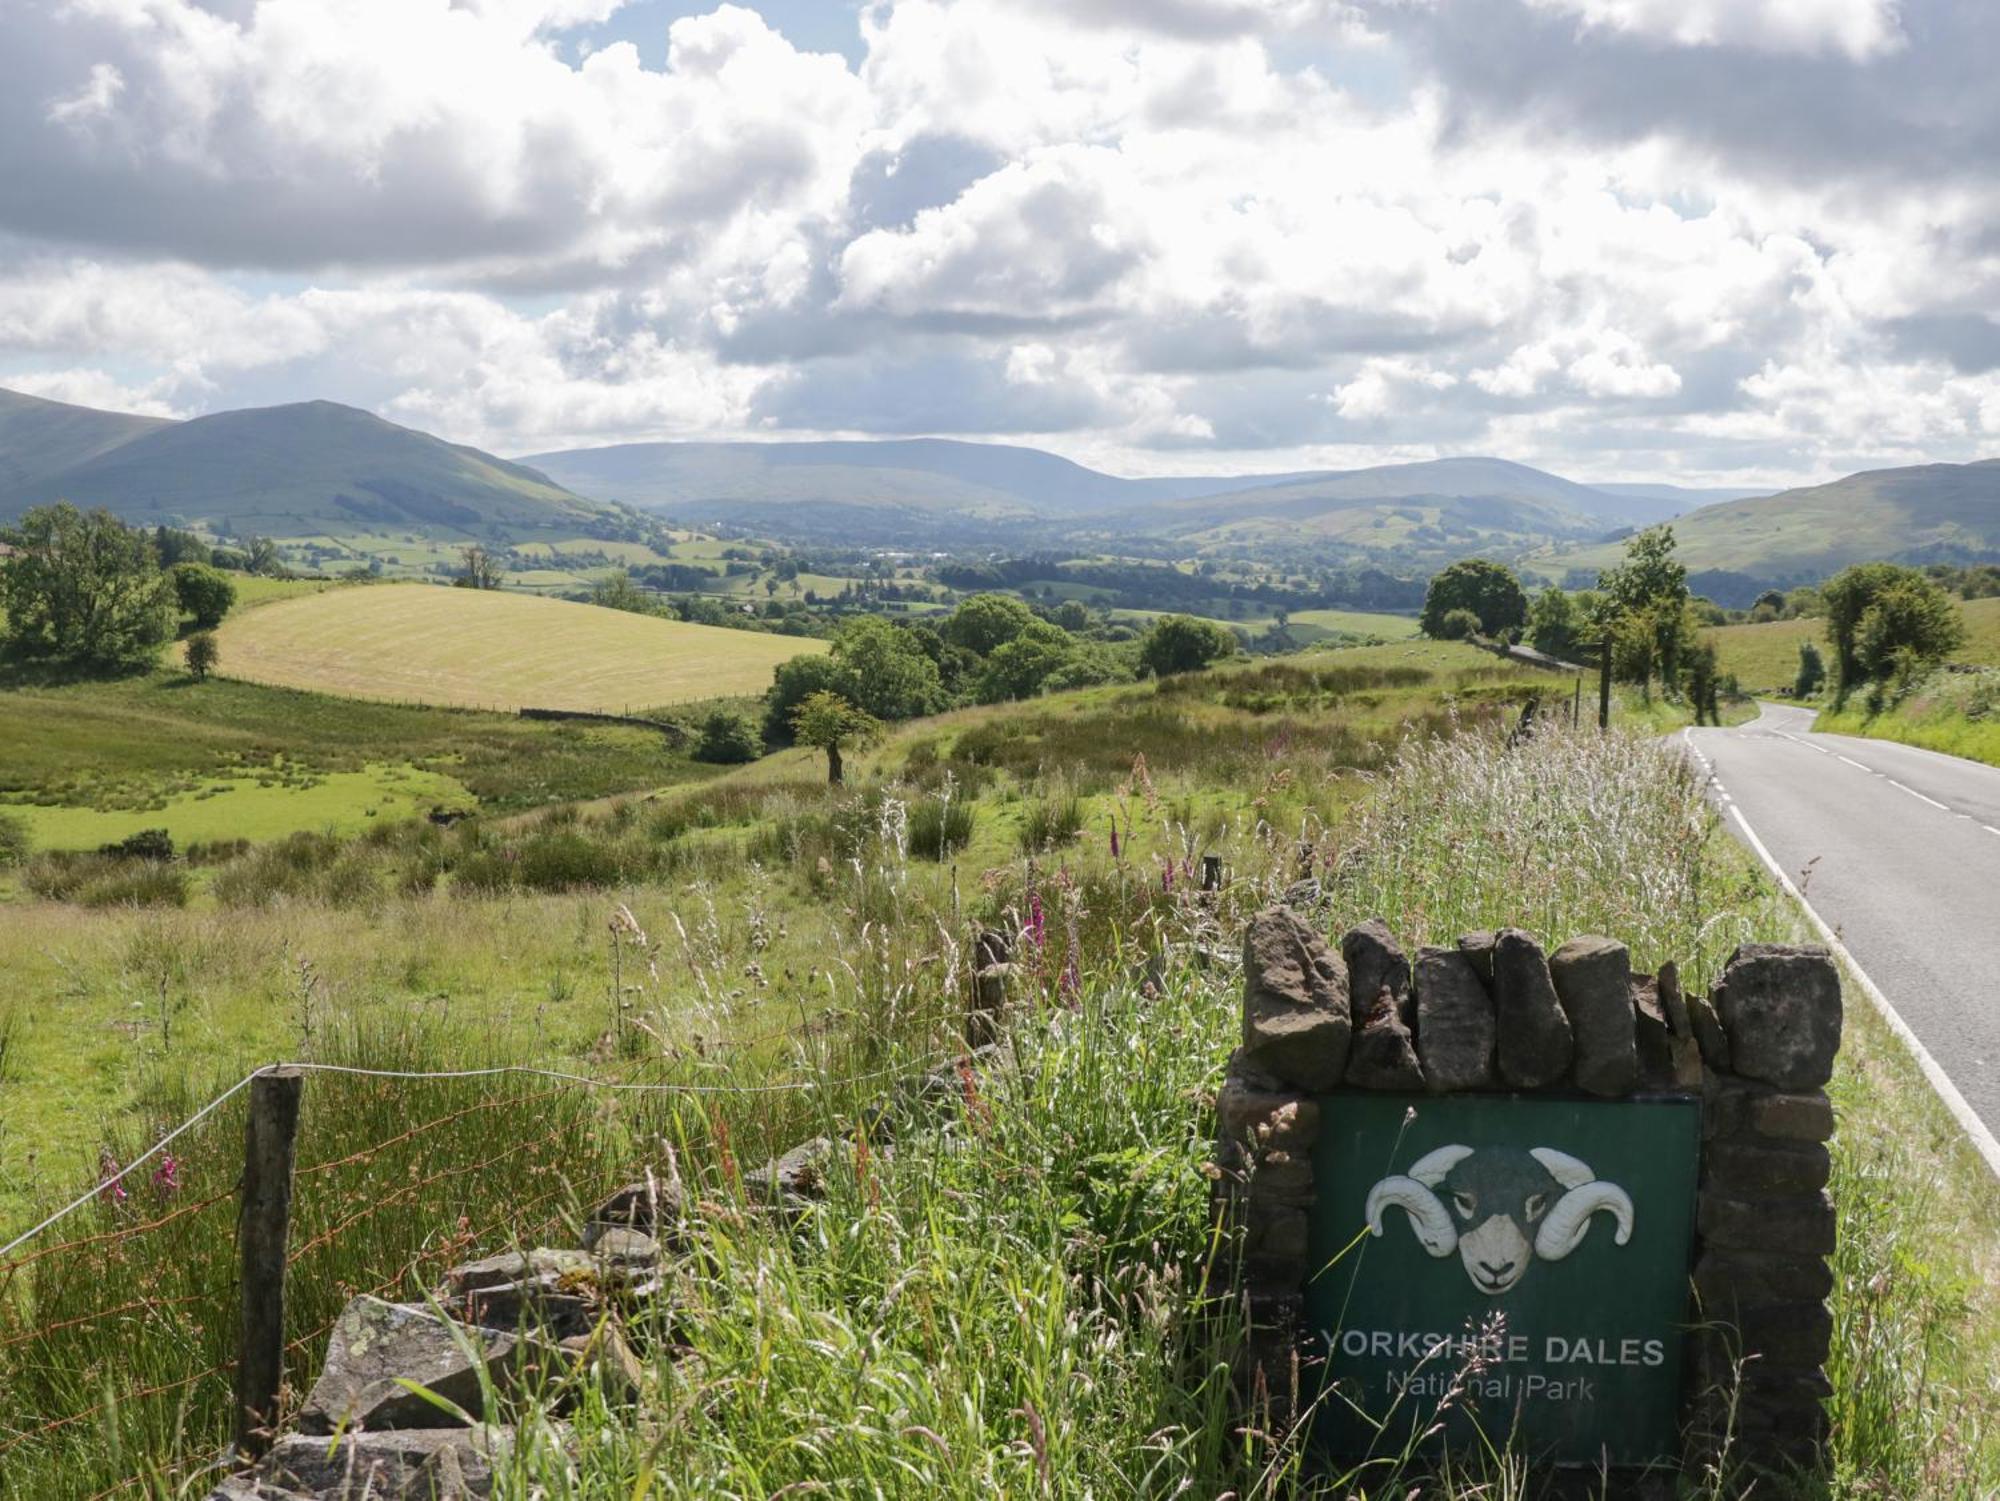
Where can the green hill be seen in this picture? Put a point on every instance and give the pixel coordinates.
(1927, 513)
(39, 438)
(312, 469)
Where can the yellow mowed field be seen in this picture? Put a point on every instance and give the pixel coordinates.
(417, 643)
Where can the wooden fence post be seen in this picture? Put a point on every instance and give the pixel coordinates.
(1604, 684)
(262, 1228)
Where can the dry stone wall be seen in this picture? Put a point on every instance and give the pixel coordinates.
(1496, 1014)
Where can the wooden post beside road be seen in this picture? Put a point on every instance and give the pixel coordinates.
(1604, 684)
(262, 1228)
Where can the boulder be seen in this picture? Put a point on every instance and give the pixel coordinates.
(1296, 1023)
(375, 1346)
(1305, 896)
(1535, 1043)
(424, 1464)
(1780, 1006)
(1456, 1029)
(1593, 980)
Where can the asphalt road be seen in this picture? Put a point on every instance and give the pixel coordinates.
(1898, 850)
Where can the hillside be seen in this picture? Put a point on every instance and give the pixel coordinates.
(1923, 514)
(39, 438)
(416, 643)
(928, 490)
(311, 469)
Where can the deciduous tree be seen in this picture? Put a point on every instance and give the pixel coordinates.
(84, 589)
(1488, 589)
(831, 723)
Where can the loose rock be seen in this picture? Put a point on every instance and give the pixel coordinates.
(375, 1343)
(1296, 1022)
(1456, 1029)
(1535, 1042)
(449, 1464)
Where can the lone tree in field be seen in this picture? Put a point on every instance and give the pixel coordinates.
(830, 722)
(201, 654)
(481, 571)
(1181, 643)
(1888, 623)
(1489, 590)
(84, 589)
(204, 592)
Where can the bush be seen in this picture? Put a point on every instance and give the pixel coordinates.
(727, 739)
(15, 842)
(1458, 625)
(939, 826)
(147, 844)
(201, 654)
(136, 883)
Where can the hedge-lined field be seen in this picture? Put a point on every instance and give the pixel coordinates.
(477, 649)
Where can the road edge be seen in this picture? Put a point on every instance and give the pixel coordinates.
(1976, 1130)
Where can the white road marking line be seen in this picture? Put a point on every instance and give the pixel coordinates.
(1989, 828)
(1854, 763)
(1916, 794)
(1982, 1138)
(1806, 743)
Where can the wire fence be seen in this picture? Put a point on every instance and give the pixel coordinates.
(120, 1340)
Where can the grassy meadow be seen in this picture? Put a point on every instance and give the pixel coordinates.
(1024, 1297)
(488, 649)
(86, 762)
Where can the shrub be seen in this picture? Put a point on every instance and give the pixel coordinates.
(15, 842)
(201, 654)
(727, 739)
(940, 825)
(147, 844)
(204, 592)
(136, 883)
(1458, 625)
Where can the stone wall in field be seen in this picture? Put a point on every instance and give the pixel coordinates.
(1496, 1015)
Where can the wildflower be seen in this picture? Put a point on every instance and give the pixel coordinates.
(1114, 839)
(1037, 921)
(167, 1176)
(109, 1176)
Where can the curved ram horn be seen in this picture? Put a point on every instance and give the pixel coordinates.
(1430, 1168)
(1563, 1231)
(1428, 1221)
(1565, 1169)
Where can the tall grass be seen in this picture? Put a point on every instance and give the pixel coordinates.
(1566, 833)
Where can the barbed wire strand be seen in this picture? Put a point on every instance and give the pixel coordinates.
(795, 1086)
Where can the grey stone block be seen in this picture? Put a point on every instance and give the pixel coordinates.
(1296, 1018)
(1456, 1028)
(1593, 981)
(1781, 1006)
(1535, 1044)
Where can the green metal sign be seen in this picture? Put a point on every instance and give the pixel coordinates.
(1503, 1266)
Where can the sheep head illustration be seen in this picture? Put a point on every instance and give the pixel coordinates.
(1500, 1208)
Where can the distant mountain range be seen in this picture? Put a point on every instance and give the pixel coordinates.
(321, 471)
(937, 491)
(315, 469)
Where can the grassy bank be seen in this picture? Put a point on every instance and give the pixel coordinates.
(1023, 1298)
(1957, 713)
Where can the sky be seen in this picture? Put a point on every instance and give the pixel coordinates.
(1696, 241)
